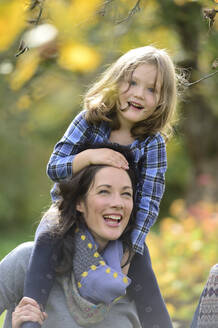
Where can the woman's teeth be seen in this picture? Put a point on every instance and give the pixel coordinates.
(113, 218)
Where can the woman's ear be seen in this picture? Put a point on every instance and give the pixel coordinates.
(80, 206)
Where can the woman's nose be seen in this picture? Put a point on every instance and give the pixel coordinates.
(117, 201)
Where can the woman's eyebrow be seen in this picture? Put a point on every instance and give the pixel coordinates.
(104, 185)
(109, 186)
(127, 187)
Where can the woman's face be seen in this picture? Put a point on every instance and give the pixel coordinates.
(108, 205)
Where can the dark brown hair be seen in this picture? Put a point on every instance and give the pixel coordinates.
(73, 191)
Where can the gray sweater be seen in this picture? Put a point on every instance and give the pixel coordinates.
(123, 314)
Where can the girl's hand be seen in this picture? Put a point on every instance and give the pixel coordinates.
(99, 156)
(27, 310)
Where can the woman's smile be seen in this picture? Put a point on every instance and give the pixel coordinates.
(113, 220)
(108, 205)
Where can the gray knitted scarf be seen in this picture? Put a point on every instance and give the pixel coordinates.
(96, 281)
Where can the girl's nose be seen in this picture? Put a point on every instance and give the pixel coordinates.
(139, 92)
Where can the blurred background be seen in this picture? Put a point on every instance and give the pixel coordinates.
(50, 53)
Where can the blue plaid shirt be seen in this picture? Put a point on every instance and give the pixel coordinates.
(150, 160)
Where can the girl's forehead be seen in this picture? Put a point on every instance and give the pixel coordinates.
(145, 71)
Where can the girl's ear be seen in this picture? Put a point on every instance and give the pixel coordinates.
(80, 206)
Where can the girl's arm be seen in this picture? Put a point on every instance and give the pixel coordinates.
(60, 163)
(152, 168)
(67, 158)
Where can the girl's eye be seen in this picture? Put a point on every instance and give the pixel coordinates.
(132, 82)
(151, 90)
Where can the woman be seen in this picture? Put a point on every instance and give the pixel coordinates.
(206, 314)
(96, 216)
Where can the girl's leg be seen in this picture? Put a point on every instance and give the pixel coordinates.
(145, 291)
(40, 274)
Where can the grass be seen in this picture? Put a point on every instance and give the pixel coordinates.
(11, 239)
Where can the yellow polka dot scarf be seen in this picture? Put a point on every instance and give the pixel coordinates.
(99, 277)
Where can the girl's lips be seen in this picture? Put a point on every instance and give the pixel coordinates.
(135, 105)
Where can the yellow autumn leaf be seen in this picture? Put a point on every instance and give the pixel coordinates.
(180, 2)
(26, 67)
(83, 10)
(23, 102)
(78, 57)
(12, 21)
(171, 309)
(76, 13)
(177, 207)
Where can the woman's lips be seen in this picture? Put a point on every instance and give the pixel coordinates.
(113, 220)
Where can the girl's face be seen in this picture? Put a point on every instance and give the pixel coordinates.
(108, 205)
(138, 96)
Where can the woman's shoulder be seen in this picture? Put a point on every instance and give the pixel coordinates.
(20, 253)
(24, 248)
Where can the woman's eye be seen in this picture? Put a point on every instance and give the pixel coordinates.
(127, 194)
(103, 191)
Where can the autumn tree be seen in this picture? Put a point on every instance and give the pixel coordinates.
(50, 51)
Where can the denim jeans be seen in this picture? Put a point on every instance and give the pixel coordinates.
(145, 291)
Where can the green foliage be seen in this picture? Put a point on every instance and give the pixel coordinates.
(182, 253)
(41, 90)
(2, 316)
(177, 175)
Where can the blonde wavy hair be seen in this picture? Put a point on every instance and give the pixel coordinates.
(102, 98)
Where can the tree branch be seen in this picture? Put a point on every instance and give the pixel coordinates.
(132, 12)
(210, 14)
(102, 12)
(34, 4)
(203, 78)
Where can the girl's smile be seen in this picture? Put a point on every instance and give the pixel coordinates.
(139, 96)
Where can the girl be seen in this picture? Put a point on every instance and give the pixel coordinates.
(132, 104)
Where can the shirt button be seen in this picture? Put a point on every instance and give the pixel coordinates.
(148, 309)
(49, 276)
(137, 287)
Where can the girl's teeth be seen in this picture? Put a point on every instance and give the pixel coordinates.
(136, 105)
